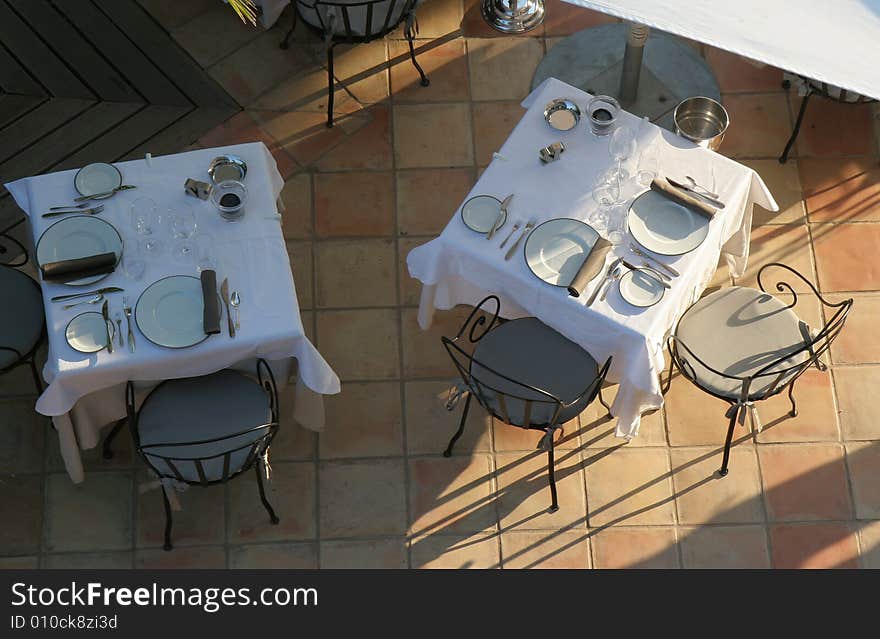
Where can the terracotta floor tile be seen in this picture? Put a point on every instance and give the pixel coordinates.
(362, 498)
(437, 19)
(371, 554)
(175, 14)
(90, 560)
(356, 273)
(297, 217)
(456, 552)
(695, 418)
(291, 492)
(859, 341)
(305, 89)
(300, 254)
(841, 189)
(445, 64)
(22, 495)
(562, 18)
(428, 198)
(451, 495)
(735, 73)
(215, 34)
(859, 412)
(22, 437)
(242, 128)
(354, 204)
(102, 504)
(813, 546)
(292, 442)
(93, 458)
(629, 487)
(705, 498)
(423, 352)
(373, 429)
(545, 549)
(275, 556)
(367, 148)
(360, 344)
(869, 543)
(714, 547)
(788, 244)
(508, 438)
(846, 256)
(363, 70)
(493, 124)
(502, 68)
(599, 431)
(863, 462)
(302, 135)
(635, 548)
(200, 523)
(429, 426)
(473, 25)
(816, 419)
(761, 125)
(524, 491)
(427, 135)
(805, 482)
(831, 128)
(191, 557)
(784, 183)
(410, 287)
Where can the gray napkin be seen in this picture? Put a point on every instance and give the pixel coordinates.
(590, 268)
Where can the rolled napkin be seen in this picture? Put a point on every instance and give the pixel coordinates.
(590, 268)
(698, 206)
(77, 268)
(211, 315)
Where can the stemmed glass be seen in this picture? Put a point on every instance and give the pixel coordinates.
(182, 222)
(622, 147)
(606, 193)
(146, 221)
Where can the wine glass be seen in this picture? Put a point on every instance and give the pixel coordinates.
(622, 147)
(146, 221)
(182, 223)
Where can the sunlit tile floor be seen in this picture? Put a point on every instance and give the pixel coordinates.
(374, 491)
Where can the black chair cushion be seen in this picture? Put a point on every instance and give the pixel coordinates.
(21, 315)
(532, 353)
(739, 331)
(203, 408)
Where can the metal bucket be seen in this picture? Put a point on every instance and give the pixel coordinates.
(701, 120)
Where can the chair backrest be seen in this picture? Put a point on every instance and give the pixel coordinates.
(12, 252)
(355, 20)
(214, 460)
(783, 370)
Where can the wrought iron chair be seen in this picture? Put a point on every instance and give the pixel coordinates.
(206, 430)
(743, 345)
(22, 319)
(525, 374)
(352, 21)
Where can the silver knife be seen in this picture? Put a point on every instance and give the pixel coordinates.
(718, 204)
(529, 226)
(106, 289)
(608, 272)
(502, 213)
(105, 312)
(224, 294)
(89, 211)
(654, 260)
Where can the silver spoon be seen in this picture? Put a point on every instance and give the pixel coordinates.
(96, 299)
(235, 300)
(614, 277)
(694, 185)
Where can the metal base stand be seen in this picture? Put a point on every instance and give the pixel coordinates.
(512, 16)
(608, 60)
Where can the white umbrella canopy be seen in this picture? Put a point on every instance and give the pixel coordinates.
(833, 41)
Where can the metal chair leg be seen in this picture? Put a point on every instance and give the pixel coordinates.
(665, 388)
(464, 414)
(602, 401)
(330, 86)
(797, 128)
(36, 375)
(272, 516)
(554, 504)
(793, 411)
(723, 471)
(107, 451)
(412, 54)
(168, 545)
(285, 43)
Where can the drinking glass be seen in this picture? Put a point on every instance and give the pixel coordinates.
(204, 253)
(606, 193)
(146, 221)
(603, 111)
(615, 228)
(133, 263)
(182, 222)
(622, 146)
(649, 167)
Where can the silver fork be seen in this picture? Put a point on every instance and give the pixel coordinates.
(509, 235)
(91, 211)
(126, 309)
(529, 226)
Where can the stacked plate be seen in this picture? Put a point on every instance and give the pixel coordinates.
(76, 237)
(666, 227)
(556, 249)
(170, 312)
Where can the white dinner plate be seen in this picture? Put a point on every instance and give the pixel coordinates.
(480, 212)
(556, 249)
(664, 226)
(88, 332)
(99, 177)
(75, 237)
(170, 312)
(640, 288)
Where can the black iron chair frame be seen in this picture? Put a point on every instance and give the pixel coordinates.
(464, 362)
(331, 38)
(29, 357)
(258, 447)
(782, 376)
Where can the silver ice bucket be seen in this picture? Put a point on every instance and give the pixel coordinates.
(701, 120)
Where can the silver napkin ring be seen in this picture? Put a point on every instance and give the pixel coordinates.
(196, 188)
(552, 152)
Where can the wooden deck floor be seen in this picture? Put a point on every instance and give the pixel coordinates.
(94, 80)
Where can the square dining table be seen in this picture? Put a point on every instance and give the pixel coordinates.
(462, 267)
(85, 393)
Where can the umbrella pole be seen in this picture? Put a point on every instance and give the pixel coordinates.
(632, 63)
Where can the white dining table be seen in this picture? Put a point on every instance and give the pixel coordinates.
(85, 392)
(462, 267)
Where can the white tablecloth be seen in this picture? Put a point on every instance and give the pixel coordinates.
(834, 41)
(461, 267)
(251, 253)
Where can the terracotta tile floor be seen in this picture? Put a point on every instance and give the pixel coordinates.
(375, 491)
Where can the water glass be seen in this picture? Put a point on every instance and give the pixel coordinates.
(146, 220)
(204, 253)
(649, 167)
(133, 263)
(603, 111)
(182, 223)
(622, 147)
